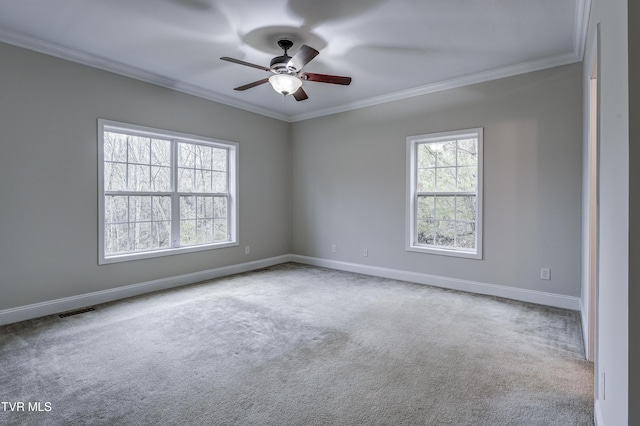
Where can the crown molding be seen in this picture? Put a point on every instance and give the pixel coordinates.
(109, 65)
(454, 83)
(583, 8)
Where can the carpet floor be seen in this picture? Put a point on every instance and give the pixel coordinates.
(299, 345)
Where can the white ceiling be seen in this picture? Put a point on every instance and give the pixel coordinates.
(391, 48)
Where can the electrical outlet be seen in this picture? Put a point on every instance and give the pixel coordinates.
(247, 250)
(545, 274)
(365, 252)
(334, 248)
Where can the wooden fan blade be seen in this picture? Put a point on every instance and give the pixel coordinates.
(250, 85)
(300, 95)
(325, 78)
(248, 64)
(302, 57)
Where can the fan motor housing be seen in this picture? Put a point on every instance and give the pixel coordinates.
(279, 64)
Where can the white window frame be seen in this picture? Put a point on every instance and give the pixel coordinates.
(412, 194)
(174, 137)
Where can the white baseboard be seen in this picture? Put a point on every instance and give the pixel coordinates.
(523, 295)
(36, 310)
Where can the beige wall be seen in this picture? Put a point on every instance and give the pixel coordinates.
(349, 177)
(48, 176)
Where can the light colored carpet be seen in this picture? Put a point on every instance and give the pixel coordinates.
(299, 345)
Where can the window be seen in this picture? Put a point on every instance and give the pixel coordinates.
(163, 192)
(444, 193)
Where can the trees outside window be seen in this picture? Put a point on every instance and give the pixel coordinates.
(444, 193)
(163, 192)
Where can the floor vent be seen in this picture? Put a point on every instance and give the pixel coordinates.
(79, 311)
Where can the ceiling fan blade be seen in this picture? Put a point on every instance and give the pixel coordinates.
(300, 95)
(326, 78)
(302, 57)
(248, 64)
(250, 85)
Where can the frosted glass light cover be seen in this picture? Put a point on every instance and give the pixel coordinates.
(285, 84)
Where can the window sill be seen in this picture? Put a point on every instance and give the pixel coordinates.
(444, 252)
(126, 257)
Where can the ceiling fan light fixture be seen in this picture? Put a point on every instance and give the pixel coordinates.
(285, 84)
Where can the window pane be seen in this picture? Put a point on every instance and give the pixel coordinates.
(466, 235)
(466, 208)
(445, 186)
(160, 152)
(220, 207)
(219, 159)
(446, 154)
(467, 178)
(426, 180)
(187, 232)
(445, 207)
(116, 238)
(186, 155)
(426, 156)
(445, 233)
(143, 172)
(205, 207)
(220, 230)
(203, 181)
(162, 234)
(139, 208)
(446, 179)
(467, 152)
(185, 180)
(139, 150)
(140, 236)
(138, 177)
(204, 231)
(161, 179)
(187, 207)
(203, 157)
(115, 209)
(115, 147)
(219, 182)
(425, 231)
(115, 177)
(426, 206)
(161, 208)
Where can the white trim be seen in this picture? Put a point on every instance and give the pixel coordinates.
(584, 317)
(41, 309)
(232, 195)
(109, 65)
(583, 9)
(36, 310)
(454, 83)
(411, 192)
(95, 61)
(523, 295)
(597, 415)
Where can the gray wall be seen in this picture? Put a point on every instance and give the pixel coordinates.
(349, 176)
(48, 176)
(612, 351)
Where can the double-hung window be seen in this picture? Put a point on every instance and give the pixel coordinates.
(163, 192)
(444, 193)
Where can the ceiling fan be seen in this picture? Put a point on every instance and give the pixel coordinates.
(287, 76)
